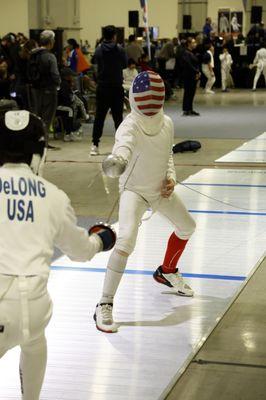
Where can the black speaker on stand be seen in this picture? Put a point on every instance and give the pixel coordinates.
(187, 22)
(133, 19)
(256, 14)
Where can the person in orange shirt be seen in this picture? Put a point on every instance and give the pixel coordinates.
(75, 58)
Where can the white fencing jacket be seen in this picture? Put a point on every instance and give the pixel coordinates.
(146, 143)
(226, 61)
(260, 56)
(35, 216)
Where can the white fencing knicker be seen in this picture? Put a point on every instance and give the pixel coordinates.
(25, 310)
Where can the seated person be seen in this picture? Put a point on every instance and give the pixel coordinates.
(70, 106)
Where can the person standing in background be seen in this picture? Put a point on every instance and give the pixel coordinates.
(45, 80)
(191, 75)
(133, 49)
(111, 60)
(207, 28)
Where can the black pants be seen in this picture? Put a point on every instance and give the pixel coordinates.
(107, 98)
(190, 85)
(44, 105)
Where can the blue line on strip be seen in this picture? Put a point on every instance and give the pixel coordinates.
(223, 184)
(145, 272)
(226, 212)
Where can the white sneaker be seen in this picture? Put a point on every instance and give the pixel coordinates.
(175, 281)
(76, 136)
(73, 137)
(103, 318)
(208, 91)
(94, 150)
(67, 138)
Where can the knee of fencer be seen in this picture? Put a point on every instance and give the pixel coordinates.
(188, 232)
(35, 346)
(121, 252)
(125, 244)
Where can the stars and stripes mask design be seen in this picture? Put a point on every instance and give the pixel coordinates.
(148, 93)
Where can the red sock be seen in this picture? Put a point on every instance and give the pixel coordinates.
(175, 248)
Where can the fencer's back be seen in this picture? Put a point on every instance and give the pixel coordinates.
(31, 212)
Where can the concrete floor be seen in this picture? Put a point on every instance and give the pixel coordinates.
(235, 355)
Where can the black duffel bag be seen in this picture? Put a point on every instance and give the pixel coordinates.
(187, 145)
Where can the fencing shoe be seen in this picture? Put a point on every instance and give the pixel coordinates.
(103, 318)
(94, 150)
(174, 281)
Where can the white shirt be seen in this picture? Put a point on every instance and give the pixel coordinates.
(149, 155)
(35, 216)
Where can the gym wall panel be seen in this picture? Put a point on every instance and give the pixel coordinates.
(97, 13)
(14, 16)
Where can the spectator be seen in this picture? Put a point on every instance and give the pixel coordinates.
(9, 49)
(178, 72)
(144, 63)
(133, 49)
(69, 106)
(45, 81)
(111, 60)
(129, 74)
(191, 75)
(207, 28)
(208, 68)
(166, 52)
(72, 55)
(22, 89)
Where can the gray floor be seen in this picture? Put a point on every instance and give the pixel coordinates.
(226, 121)
(236, 114)
(232, 363)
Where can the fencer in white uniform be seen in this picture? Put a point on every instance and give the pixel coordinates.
(226, 65)
(142, 155)
(208, 68)
(260, 63)
(224, 25)
(35, 216)
(234, 23)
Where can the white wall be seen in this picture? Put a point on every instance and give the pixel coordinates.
(95, 14)
(197, 10)
(14, 16)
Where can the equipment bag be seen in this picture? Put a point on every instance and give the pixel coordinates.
(187, 145)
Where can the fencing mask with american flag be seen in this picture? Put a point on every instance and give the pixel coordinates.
(147, 93)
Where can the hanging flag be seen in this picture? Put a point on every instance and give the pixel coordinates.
(144, 6)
